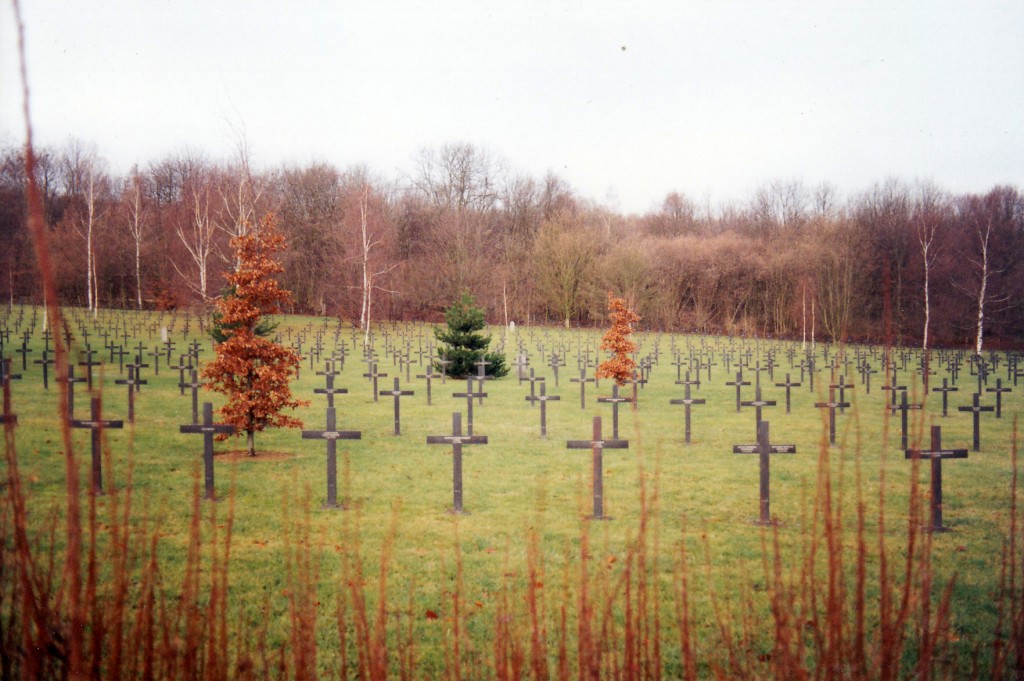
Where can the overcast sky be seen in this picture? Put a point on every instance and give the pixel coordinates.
(627, 101)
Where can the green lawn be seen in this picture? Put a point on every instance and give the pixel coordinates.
(520, 483)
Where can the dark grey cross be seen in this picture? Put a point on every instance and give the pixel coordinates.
(597, 444)
(24, 351)
(194, 385)
(543, 398)
(457, 440)
(373, 375)
(788, 385)
(976, 409)
(169, 346)
(903, 408)
(739, 383)
(132, 384)
(481, 375)
(330, 390)
(182, 366)
(583, 380)
(429, 375)
(397, 393)
(688, 402)
(936, 453)
(208, 429)
(46, 361)
(998, 390)
(7, 418)
(533, 381)
(96, 424)
(843, 386)
(469, 395)
(764, 449)
(831, 405)
(945, 390)
(554, 363)
(521, 363)
(615, 400)
(71, 380)
(331, 434)
(443, 363)
(156, 354)
(88, 364)
(138, 365)
(120, 353)
(635, 381)
(757, 403)
(865, 376)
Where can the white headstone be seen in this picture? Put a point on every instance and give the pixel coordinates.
(512, 327)
(163, 334)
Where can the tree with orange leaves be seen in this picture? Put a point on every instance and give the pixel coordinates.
(621, 365)
(252, 370)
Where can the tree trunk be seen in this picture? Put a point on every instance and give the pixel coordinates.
(250, 439)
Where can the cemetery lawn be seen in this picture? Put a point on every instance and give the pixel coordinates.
(397, 490)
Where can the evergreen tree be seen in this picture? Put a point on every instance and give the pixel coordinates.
(463, 345)
(252, 370)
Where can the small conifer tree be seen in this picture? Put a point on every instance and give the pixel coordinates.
(252, 370)
(620, 365)
(463, 345)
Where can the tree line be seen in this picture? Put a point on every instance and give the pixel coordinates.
(904, 261)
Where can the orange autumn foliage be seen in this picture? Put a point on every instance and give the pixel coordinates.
(253, 371)
(621, 365)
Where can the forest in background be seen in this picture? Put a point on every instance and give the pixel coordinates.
(899, 260)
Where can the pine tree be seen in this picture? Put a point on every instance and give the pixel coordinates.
(621, 365)
(252, 370)
(463, 345)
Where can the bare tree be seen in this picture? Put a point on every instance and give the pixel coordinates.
(370, 241)
(136, 225)
(928, 219)
(197, 236)
(85, 180)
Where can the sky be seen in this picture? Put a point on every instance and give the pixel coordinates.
(626, 101)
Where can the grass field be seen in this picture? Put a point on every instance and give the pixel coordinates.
(679, 582)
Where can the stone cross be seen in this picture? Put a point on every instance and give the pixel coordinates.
(739, 383)
(330, 390)
(182, 366)
(469, 395)
(998, 390)
(397, 393)
(615, 400)
(843, 386)
(757, 403)
(945, 390)
(831, 405)
(687, 403)
(88, 364)
(583, 380)
(543, 398)
(46, 361)
(903, 408)
(96, 424)
(132, 384)
(936, 454)
(331, 434)
(429, 375)
(533, 381)
(457, 440)
(71, 380)
(597, 444)
(788, 385)
(373, 375)
(764, 449)
(976, 409)
(208, 429)
(7, 417)
(194, 385)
